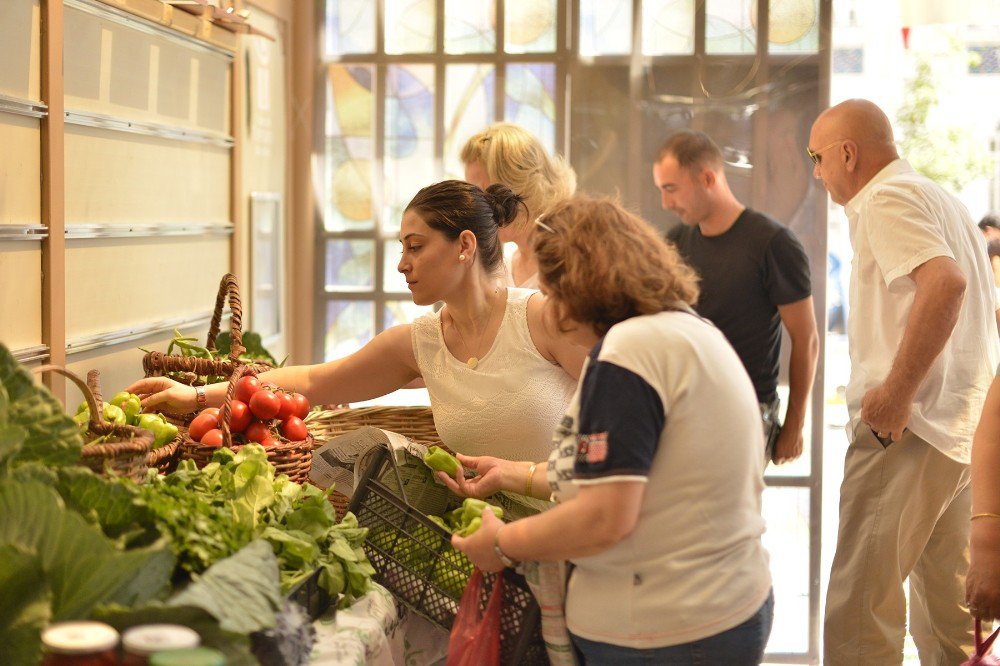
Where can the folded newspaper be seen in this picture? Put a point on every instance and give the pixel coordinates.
(341, 462)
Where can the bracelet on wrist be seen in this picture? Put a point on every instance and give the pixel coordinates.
(531, 476)
(200, 399)
(507, 561)
(984, 515)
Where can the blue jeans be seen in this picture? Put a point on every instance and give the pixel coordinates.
(742, 645)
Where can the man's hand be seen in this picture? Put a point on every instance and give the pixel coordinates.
(789, 445)
(886, 412)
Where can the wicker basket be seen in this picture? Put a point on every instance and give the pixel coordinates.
(417, 423)
(163, 458)
(291, 458)
(126, 454)
(157, 364)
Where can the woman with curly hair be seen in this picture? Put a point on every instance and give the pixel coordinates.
(508, 154)
(655, 467)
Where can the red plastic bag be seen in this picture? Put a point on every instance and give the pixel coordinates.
(475, 636)
(983, 657)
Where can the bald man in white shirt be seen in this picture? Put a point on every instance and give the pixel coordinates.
(922, 333)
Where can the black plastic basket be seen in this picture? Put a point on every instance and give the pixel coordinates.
(414, 560)
(313, 598)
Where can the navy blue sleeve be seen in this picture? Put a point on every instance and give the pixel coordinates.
(621, 418)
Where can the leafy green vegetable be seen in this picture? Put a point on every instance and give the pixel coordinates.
(253, 344)
(236, 596)
(50, 436)
(212, 512)
(72, 565)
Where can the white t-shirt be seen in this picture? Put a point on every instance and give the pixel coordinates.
(509, 404)
(899, 221)
(665, 400)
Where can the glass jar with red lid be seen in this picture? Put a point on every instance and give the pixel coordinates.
(80, 644)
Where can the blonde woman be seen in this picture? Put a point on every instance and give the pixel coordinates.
(510, 155)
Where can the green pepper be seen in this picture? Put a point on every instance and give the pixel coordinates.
(440, 460)
(114, 414)
(473, 508)
(130, 404)
(437, 520)
(163, 432)
(471, 527)
(82, 419)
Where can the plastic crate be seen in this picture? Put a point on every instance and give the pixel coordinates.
(414, 560)
(313, 598)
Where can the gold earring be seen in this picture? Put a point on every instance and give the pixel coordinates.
(461, 257)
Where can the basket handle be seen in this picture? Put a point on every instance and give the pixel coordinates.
(96, 413)
(228, 289)
(226, 411)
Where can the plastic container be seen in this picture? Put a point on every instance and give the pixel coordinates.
(190, 657)
(414, 559)
(144, 640)
(80, 644)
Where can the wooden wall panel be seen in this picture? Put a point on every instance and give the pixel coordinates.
(115, 283)
(119, 365)
(20, 182)
(114, 69)
(120, 178)
(20, 49)
(20, 294)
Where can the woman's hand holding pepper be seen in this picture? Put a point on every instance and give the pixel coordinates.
(983, 579)
(490, 476)
(479, 546)
(162, 393)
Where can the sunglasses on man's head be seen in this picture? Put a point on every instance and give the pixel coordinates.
(815, 156)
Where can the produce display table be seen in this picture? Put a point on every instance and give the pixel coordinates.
(374, 631)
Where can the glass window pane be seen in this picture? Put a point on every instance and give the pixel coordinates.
(529, 26)
(350, 27)
(349, 148)
(409, 137)
(605, 27)
(730, 26)
(600, 121)
(667, 27)
(392, 280)
(349, 326)
(530, 100)
(786, 511)
(403, 312)
(793, 26)
(470, 91)
(409, 26)
(350, 264)
(469, 27)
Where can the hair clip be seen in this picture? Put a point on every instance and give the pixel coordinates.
(538, 221)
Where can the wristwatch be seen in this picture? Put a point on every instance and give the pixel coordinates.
(199, 397)
(507, 562)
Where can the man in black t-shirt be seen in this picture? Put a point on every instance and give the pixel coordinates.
(754, 278)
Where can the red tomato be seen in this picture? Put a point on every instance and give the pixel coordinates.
(246, 387)
(264, 405)
(294, 429)
(239, 416)
(301, 405)
(287, 405)
(202, 423)
(257, 432)
(212, 438)
(268, 442)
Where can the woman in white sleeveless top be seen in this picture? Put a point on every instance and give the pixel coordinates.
(499, 373)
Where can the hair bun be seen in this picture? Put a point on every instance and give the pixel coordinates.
(504, 202)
